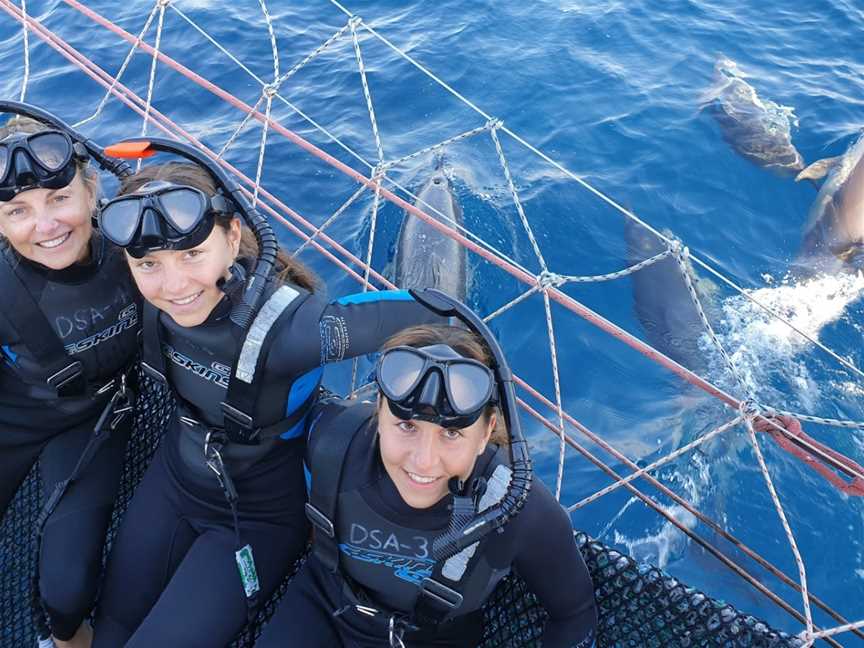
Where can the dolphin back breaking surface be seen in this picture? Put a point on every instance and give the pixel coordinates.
(834, 236)
(426, 258)
(759, 130)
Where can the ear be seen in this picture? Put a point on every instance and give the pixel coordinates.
(235, 233)
(490, 428)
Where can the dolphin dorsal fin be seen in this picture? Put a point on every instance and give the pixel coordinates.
(818, 169)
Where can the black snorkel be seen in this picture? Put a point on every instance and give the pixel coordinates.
(245, 308)
(465, 532)
(119, 168)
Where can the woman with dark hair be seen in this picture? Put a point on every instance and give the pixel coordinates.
(218, 519)
(68, 334)
(395, 482)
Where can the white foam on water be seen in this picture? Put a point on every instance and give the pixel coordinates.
(762, 346)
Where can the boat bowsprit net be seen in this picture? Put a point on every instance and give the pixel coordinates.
(639, 605)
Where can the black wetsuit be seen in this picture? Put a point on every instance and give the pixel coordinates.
(384, 548)
(172, 580)
(92, 307)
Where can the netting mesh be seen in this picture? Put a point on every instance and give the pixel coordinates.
(639, 605)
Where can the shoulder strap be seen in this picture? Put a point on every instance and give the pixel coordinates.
(152, 359)
(240, 403)
(326, 461)
(59, 369)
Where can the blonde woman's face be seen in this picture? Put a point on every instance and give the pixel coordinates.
(51, 227)
(421, 457)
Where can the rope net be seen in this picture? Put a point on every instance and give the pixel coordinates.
(380, 184)
(638, 605)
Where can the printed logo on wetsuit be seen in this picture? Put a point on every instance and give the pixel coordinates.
(217, 373)
(408, 557)
(128, 318)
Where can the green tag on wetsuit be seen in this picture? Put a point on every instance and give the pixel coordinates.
(248, 574)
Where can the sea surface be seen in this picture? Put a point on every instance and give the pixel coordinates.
(610, 90)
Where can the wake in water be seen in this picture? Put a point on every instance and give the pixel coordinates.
(769, 354)
(774, 363)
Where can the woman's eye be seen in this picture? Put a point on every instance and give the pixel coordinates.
(60, 198)
(145, 265)
(453, 433)
(406, 426)
(16, 213)
(192, 254)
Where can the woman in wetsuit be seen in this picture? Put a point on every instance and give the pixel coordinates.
(394, 483)
(68, 331)
(218, 519)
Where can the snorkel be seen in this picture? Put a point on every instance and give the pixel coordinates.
(85, 146)
(465, 530)
(244, 309)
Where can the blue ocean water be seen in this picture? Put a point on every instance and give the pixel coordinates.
(611, 90)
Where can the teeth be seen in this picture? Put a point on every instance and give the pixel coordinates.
(420, 479)
(186, 300)
(54, 242)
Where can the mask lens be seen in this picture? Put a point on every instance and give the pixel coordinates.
(183, 208)
(51, 150)
(469, 386)
(119, 220)
(399, 372)
(4, 161)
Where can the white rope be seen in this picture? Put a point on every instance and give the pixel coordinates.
(657, 464)
(109, 93)
(330, 220)
(26, 34)
(855, 425)
(681, 254)
(161, 4)
(366, 92)
(830, 632)
(802, 574)
(525, 295)
(553, 350)
(236, 134)
(440, 145)
(515, 195)
(311, 56)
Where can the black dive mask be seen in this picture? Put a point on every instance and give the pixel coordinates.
(43, 160)
(160, 216)
(434, 383)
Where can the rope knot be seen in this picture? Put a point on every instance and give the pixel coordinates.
(494, 123)
(270, 89)
(355, 22)
(750, 409)
(678, 249)
(163, 3)
(547, 280)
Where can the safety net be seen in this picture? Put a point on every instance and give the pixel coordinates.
(639, 605)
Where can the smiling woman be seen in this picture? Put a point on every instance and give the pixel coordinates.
(68, 333)
(394, 481)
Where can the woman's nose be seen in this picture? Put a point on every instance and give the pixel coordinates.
(425, 453)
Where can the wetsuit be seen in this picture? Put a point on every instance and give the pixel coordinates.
(91, 308)
(172, 579)
(384, 554)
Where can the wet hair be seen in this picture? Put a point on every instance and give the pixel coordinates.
(463, 342)
(288, 270)
(28, 125)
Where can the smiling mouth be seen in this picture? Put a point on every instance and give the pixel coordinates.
(186, 300)
(55, 242)
(420, 480)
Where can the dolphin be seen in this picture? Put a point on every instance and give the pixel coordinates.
(426, 258)
(758, 129)
(663, 303)
(834, 235)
